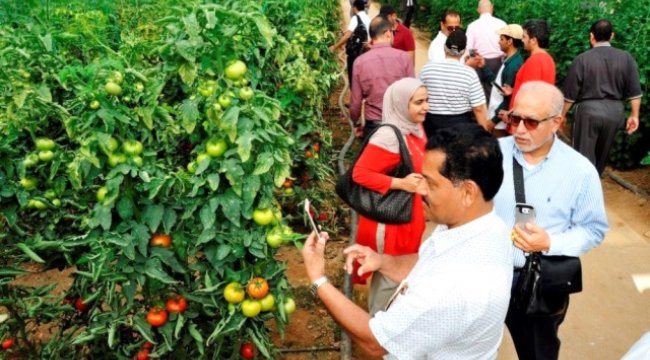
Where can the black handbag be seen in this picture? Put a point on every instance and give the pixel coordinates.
(545, 281)
(395, 206)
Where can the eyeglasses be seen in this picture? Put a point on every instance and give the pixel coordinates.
(530, 124)
(453, 28)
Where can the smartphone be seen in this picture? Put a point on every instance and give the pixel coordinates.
(315, 226)
(497, 86)
(524, 213)
(472, 52)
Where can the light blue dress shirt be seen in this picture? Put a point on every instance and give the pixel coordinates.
(566, 192)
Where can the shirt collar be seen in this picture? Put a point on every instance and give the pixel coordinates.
(380, 45)
(443, 239)
(517, 53)
(485, 15)
(602, 43)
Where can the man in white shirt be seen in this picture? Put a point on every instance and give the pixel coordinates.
(449, 22)
(358, 8)
(482, 38)
(454, 293)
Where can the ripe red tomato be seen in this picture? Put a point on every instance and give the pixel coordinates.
(322, 217)
(307, 154)
(142, 355)
(162, 240)
(7, 344)
(147, 346)
(316, 147)
(288, 183)
(257, 288)
(177, 304)
(156, 317)
(247, 350)
(80, 305)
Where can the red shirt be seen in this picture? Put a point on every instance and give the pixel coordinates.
(370, 171)
(403, 38)
(539, 66)
(373, 73)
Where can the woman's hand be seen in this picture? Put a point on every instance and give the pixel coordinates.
(409, 183)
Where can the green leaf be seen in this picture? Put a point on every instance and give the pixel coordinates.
(263, 164)
(179, 326)
(125, 208)
(229, 122)
(169, 219)
(266, 30)
(102, 215)
(167, 256)
(44, 93)
(46, 41)
(112, 329)
(31, 254)
(210, 19)
(189, 114)
(207, 216)
(245, 145)
(154, 269)
(223, 251)
(188, 73)
(213, 181)
(198, 338)
(117, 240)
(187, 50)
(144, 329)
(141, 237)
(191, 25)
(231, 206)
(206, 236)
(19, 99)
(152, 216)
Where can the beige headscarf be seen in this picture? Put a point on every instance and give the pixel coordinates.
(395, 112)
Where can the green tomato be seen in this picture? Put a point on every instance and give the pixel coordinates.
(43, 144)
(202, 157)
(30, 160)
(28, 183)
(274, 238)
(206, 91)
(216, 147)
(234, 293)
(50, 194)
(24, 73)
(101, 194)
(236, 70)
(111, 145)
(137, 160)
(132, 147)
(46, 155)
(139, 87)
(36, 204)
(112, 88)
(216, 107)
(56, 202)
(251, 308)
(191, 167)
(117, 77)
(224, 101)
(277, 216)
(246, 93)
(289, 306)
(94, 104)
(288, 191)
(263, 217)
(267, 302)
(116, 159)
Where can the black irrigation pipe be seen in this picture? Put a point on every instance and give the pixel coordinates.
(310, 349)
(619, 180)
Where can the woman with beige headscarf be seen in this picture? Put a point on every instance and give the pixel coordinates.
(405, 106)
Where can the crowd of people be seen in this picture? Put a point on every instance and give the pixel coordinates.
(480, 124)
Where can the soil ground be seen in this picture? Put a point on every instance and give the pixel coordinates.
(611, 313)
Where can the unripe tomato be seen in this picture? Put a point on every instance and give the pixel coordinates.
(30, 160)
(162, 240)
(7, 344)
(111, 145)
(216, 147)
(139, 87)
(288, 191)
(289, 306)
(80, 305)
(251, 308)
(132, 147)
(101, 194)
(191, 167)
(177, 304)
(274, 238)
(224, 101)
(263, 217)
(247, 350)
(49, 194)
(236, 70)
(206, 91)
(94, 104)
(116, 159)
(117, 77)
(137, 161)
(234, 293)
(112, 88)
(157, 317)
(43, 144)
(216, 107)
(267, 302)
(56, 202)
(46, 155)
(257, 288)
(36, 204)
(246, 93)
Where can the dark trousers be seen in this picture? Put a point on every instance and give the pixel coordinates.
(369, 127)
(408, 12)
(596, 123)
(434, 122)
(535, 337)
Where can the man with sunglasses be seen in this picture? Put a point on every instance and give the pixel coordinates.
(449, 22)
(564, 189)
(599, 81)
(453, 294)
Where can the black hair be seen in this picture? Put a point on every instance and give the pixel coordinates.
(602, 30)
(378, 26)
(457, 40)
(360, 5)
(386, 10)
(471, 153)
(538, 29)
(449, 12)
(515, 42)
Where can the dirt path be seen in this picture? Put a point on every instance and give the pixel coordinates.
(613, 311)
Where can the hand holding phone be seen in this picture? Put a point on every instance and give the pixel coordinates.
(312, 222)
(524, 213)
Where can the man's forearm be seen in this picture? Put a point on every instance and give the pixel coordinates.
(353, 319)
(635, 106)
(397, 268)
(342, 40)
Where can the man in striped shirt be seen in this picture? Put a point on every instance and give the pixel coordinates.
(455, 92)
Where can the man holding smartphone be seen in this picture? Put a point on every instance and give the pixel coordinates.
(564, 189)
(454, 293)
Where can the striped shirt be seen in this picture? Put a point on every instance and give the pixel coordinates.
(453, 88)
(567, 195)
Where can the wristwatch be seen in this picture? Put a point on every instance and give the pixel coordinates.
(318, 283)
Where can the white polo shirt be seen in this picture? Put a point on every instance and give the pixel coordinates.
(456, 296)
(365, 19)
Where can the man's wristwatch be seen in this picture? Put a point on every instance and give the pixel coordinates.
(318, 283)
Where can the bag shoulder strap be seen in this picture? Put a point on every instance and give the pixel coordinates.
(403, 149)
(518, 177)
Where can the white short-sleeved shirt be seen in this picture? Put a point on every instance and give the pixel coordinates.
(437, 47)
(453, 88)
(365, 19)
(456, 296)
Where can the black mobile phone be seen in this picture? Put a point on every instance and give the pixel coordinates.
(524, 213)
(315, 226)
(497, 86)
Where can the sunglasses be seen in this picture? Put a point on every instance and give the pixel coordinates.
(530, 124)
(453, 28)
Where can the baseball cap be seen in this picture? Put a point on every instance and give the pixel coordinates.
(515, 31)
(456, 42)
